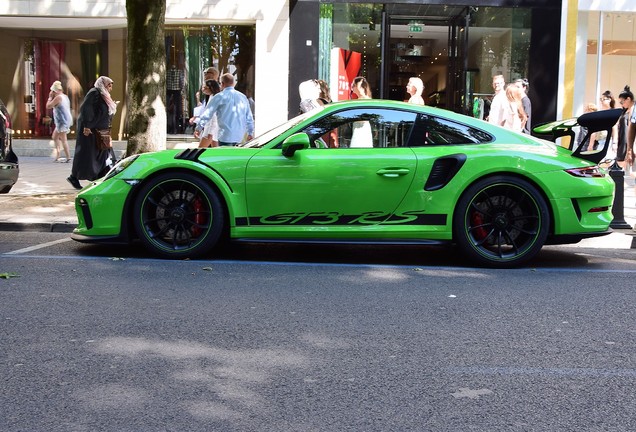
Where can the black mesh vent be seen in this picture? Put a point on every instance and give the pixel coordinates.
(443, 170)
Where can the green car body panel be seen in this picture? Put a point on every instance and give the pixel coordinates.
(398, 193)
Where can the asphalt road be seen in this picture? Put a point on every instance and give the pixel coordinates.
(334, 339)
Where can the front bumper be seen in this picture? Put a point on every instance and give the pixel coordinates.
(102, 210)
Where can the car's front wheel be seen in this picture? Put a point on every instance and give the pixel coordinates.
(501, 222)
(178, 215)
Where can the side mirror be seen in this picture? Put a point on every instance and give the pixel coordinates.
(298, 141)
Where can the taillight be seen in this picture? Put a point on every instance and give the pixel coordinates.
(594, 171)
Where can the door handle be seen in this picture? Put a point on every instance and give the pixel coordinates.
(393, 172)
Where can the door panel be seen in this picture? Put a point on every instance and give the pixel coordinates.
(328, 186)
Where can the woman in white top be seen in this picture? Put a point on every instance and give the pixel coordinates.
(515, 117)
(62, 119)
(362, 135)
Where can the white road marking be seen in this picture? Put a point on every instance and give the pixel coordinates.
(36, 247)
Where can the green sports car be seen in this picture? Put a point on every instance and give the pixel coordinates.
(364, 171)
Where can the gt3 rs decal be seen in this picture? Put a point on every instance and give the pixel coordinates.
(334, 218)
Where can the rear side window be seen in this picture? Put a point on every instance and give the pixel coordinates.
(432, 130)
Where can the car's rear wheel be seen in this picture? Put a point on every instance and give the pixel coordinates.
(501, 221)
(178, 215)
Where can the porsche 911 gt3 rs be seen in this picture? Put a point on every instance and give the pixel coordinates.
(415, 175)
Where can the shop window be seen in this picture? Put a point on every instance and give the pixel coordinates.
(191, 50)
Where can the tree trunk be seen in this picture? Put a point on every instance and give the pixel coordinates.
(146, 87)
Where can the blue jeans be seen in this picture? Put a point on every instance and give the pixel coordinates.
(221, 143)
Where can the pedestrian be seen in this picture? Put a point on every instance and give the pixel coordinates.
(607, 101)
(324, 97)
(626, 101)
(360, 88)
(330, 139)
(210, 134)
(233, 114)
(514, 117)
(415, 87)
(630, 161)
(596, 138)
(309, 92)
(496, 114)
(524, 86)
(210, 73)
(361, 134)
(95, 115)
(62, 118)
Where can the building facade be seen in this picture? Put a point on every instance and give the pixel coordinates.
(454, 46)
(75, 42)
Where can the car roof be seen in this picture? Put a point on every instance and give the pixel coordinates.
(387, 103)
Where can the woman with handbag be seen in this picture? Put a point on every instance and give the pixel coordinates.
(93, 147)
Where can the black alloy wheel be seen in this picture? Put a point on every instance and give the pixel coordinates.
(178, 215)
(501, 221)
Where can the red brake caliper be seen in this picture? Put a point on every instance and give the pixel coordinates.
(476, 220)
(199, 217)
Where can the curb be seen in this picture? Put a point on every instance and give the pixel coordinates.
(55, 227)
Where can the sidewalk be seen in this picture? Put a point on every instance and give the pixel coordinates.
(42, 200)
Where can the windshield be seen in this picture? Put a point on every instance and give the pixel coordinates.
(263, 139)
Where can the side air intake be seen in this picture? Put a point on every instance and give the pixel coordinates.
(443, 171)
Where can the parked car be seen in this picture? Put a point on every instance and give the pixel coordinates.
(9, 168)
(416, 175)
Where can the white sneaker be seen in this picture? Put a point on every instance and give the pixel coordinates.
(61, 160)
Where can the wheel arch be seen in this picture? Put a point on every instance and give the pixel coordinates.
(520, 176)
(127, 216)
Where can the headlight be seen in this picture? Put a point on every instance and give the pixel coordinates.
(594, 171)
(120, 166)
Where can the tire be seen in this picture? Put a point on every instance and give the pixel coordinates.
(501, 222)
(178, 215)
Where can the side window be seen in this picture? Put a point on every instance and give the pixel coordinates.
(431, 130)
(362, 128)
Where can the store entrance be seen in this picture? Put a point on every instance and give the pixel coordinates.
(432, 47)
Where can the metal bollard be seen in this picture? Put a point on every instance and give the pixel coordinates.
(618, 207)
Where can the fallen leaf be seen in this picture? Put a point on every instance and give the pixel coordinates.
(8, 275)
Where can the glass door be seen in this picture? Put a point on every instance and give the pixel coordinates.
(416, 47)
(458, 83)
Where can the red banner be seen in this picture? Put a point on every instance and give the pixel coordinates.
(345, 67)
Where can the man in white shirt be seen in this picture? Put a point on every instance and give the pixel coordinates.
(496, 115)
(232, 112)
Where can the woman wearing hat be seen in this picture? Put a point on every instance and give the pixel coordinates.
(62, 119)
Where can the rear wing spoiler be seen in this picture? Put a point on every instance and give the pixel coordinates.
(592, 122)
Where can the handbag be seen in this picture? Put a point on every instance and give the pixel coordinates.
(103, 140)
